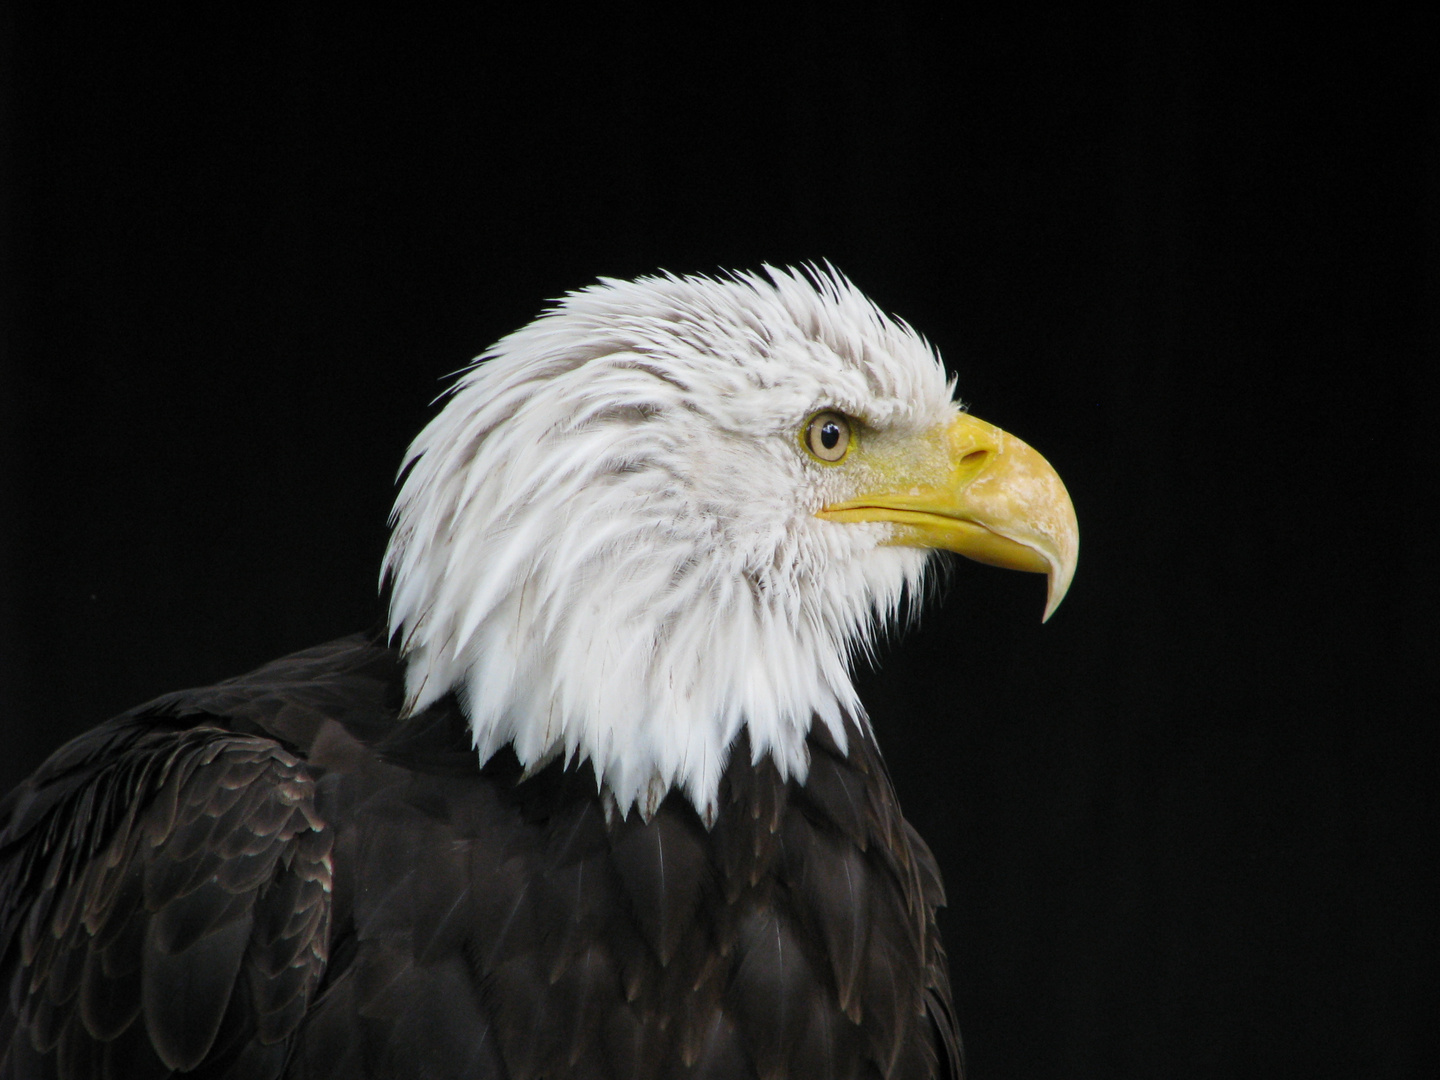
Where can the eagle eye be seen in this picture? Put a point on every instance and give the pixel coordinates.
(828, 436)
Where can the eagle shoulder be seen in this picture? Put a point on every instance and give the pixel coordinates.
(165, 893)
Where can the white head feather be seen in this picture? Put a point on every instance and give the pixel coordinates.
(606, 542)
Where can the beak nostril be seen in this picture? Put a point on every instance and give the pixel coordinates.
(975, 457)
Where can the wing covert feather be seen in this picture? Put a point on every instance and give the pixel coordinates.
(166, 900)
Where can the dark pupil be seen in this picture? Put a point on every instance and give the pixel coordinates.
(829, 434)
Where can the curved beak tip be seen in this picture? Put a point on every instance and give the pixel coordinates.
(1062, 553)
(1057, 585)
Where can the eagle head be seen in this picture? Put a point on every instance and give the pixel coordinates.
(674, 507)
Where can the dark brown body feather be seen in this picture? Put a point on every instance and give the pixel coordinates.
(276, 876)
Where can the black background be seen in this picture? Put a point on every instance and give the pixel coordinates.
(1188, 825)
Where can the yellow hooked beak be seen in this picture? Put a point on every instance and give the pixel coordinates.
(987, 496)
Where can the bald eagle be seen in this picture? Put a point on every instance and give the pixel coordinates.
(603, 802)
